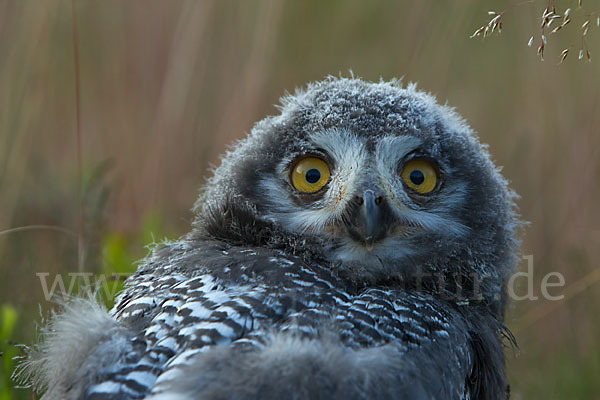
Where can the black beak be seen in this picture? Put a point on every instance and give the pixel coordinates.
(370, 224)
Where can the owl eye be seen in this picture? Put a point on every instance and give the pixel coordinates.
(420, 175)
(309, 174)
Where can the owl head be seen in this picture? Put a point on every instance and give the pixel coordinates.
(376, 179)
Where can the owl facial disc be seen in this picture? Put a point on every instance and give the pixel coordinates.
(371, 177)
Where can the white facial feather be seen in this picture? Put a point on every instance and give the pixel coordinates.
(348, 154)
(390, 248)
(388, 154)
(354, 169)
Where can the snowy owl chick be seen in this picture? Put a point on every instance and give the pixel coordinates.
(355, 246)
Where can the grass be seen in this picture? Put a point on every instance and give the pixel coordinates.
(164, 87)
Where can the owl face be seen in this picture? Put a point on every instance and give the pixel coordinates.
(368, 175)
(370, 199)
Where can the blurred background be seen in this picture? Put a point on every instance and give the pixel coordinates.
(166, 86)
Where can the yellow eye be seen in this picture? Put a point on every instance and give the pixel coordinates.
(420, 175)
(309, 174)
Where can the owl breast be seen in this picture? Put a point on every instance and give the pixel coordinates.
(217, 294)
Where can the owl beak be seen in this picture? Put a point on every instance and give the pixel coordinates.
(369, 222)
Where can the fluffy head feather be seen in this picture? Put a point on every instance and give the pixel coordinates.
(463, 233)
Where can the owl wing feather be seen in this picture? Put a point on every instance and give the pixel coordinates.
(218, 321)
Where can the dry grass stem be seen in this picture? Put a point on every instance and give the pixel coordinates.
(540, 51)
(563, 55)
(585, 27)
(491, 26)
(552, 20)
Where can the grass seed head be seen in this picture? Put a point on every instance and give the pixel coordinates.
(563, 55)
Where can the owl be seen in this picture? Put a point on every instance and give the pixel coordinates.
(355, 246)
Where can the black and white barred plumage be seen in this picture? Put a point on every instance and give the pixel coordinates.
(363, 289)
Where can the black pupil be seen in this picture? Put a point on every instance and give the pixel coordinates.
(417, 177)
(313, 175)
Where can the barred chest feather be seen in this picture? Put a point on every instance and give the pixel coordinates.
(215, 294)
